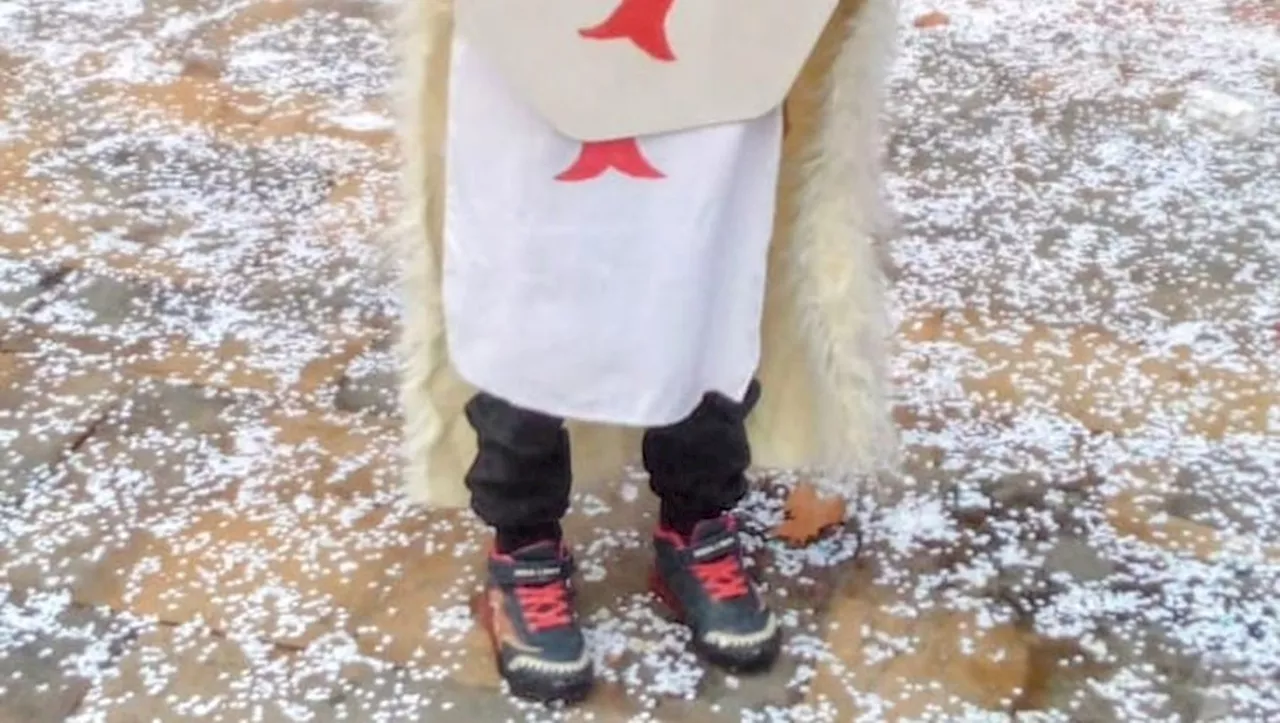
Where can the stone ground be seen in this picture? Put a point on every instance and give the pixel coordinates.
(198, 507)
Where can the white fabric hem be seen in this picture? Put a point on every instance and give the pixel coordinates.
(572, 414)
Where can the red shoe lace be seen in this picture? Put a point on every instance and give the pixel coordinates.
(545, 607)
(723, 578)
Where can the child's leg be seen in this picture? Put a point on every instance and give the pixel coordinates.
(519, 484)
(521, 475)
(697, 468)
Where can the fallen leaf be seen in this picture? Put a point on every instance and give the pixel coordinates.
(808, 515)
(1041, 84)
(934, 19)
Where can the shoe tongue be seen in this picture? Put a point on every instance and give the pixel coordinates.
(711, 540)
(541, 563)
(709, 530)
(546, 551)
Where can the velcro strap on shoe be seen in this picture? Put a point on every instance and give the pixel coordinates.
(713, 547)
(531, 572)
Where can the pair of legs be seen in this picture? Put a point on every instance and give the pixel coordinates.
(520, 480)
(520, 484)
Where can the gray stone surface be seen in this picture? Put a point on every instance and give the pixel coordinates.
(49, 654)
(1076, 558)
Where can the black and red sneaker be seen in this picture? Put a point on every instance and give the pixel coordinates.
(528, 611)
(702, 579)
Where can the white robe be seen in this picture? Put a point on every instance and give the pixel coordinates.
(614, 299)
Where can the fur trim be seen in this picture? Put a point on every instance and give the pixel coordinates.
(829, 307)
(431, 394)
(825, 404)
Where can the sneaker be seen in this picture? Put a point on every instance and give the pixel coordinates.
(528, 611)
(704, 583)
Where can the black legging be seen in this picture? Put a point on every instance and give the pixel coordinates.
(521, 475)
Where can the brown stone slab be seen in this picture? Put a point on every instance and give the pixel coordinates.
(286, 545)
(422, 617)
(1140, 519)
(336, 453)
(931, 665)
(1090, 374)
(233, 364)
(187, 674)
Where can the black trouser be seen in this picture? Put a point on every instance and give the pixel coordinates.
(521, 475)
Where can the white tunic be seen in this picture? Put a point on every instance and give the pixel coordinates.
(592, 293)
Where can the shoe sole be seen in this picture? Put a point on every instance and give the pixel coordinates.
(568, 691)
(565, 692)
(756, 659)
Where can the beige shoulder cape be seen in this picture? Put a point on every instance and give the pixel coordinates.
(825, 408)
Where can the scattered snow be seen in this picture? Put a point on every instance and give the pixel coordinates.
(198, 437)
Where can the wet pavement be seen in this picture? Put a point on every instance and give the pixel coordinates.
(199, 514)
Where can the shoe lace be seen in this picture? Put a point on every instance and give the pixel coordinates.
(545, 607)
(723, 579)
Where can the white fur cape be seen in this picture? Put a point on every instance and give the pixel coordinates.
(825, 406)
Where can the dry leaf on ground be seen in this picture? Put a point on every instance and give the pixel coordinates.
(934, 19)
(808, 515)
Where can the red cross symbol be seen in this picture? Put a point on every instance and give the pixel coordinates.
(643, 22)
(623, 155)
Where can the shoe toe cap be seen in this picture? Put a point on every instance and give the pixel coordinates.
(743, 631)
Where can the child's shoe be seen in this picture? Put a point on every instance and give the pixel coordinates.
(528, 610)
(703, 581)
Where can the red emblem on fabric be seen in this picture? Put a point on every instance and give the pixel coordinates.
(597, 157)
(643, 22)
